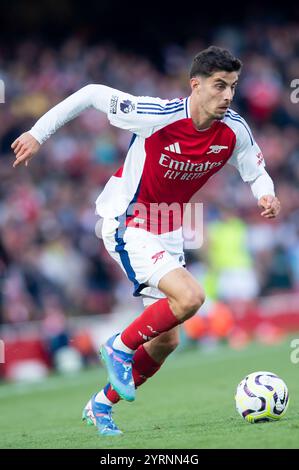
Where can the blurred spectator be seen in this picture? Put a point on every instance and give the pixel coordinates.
(229, 263)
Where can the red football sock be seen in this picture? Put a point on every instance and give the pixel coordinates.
(143, 368)
(155, 319)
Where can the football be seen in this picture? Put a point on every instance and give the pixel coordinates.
(262, 396)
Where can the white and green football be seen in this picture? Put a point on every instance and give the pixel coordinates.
(262, 396)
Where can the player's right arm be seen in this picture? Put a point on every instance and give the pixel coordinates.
(137, 114)
(28, 144)
(24, 147)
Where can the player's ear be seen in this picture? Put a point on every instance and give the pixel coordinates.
(194, 83)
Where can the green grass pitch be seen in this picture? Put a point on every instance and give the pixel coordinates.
(188, 404)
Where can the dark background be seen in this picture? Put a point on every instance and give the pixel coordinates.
(142, 27)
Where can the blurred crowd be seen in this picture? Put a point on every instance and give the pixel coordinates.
(51, 261)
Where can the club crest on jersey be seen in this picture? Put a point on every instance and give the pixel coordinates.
(126, 106)
(217, 148)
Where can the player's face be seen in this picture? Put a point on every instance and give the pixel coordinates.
(214, 94)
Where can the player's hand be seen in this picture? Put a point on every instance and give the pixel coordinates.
(271, 206)
(24, 148)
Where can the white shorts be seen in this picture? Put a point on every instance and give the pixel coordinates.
(143, 256)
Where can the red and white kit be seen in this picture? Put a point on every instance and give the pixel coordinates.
(168, 161)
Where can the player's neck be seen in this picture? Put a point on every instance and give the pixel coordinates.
(200, 118)
(202, 124)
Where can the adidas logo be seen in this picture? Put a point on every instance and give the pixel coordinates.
(175, 148)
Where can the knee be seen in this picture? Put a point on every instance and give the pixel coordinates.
(190, 302)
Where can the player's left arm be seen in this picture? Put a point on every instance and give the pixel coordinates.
(248, 159)
(263, 190)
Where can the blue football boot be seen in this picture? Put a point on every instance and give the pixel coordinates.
(119, 367)
(100, 415)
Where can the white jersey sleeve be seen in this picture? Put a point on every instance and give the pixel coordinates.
(262, 185)
(141, 115)
(96, 96)
(247, 156)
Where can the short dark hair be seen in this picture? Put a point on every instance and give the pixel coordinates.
(214, 59)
